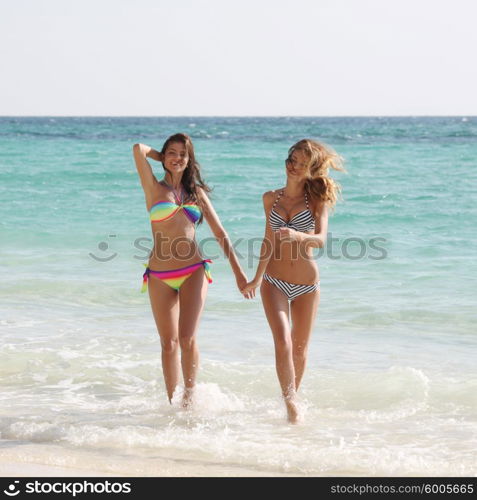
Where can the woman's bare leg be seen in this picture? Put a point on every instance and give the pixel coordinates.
(165, 308)
(192, 295)
(277, 312)
(303, 313)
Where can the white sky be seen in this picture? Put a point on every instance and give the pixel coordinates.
(222, 57)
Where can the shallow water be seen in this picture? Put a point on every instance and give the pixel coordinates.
(390, 386)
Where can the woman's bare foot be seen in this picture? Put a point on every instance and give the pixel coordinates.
(292, 406)
(292, 410)
(187, 397)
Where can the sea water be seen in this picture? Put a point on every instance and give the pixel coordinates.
(390, 387)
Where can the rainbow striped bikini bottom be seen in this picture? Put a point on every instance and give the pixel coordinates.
(176, 277)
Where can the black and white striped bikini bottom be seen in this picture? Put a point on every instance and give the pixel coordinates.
(290, 290)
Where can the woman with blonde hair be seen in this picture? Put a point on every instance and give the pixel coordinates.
(177, 275)
(296, 222)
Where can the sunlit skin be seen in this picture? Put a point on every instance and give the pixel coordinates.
(175, 245)
(177, 314)
(175, 160)
(288, 255)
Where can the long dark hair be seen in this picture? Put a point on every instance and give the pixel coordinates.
(191, 177)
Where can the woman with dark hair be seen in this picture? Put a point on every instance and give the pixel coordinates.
(296, 222)
(177, 276)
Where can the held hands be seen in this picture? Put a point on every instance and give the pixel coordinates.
(248, 291)
(241, 280)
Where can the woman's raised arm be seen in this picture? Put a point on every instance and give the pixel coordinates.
(144, 169)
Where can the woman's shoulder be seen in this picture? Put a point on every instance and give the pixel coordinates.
(202, 198)
(202, 193)
(317, 205)
(271, 195)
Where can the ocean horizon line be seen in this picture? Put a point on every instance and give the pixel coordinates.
(239, 116)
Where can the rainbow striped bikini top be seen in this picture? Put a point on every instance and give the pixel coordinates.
(165, 209)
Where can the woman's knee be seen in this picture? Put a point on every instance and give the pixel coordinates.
(283, 344)
(169, 345)
(187, 343)
(299, 351)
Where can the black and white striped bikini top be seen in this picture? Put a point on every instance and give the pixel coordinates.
(303, 221)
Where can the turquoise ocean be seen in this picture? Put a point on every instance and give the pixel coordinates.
(391, 382)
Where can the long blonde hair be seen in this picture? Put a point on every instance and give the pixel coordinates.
(319, 185)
